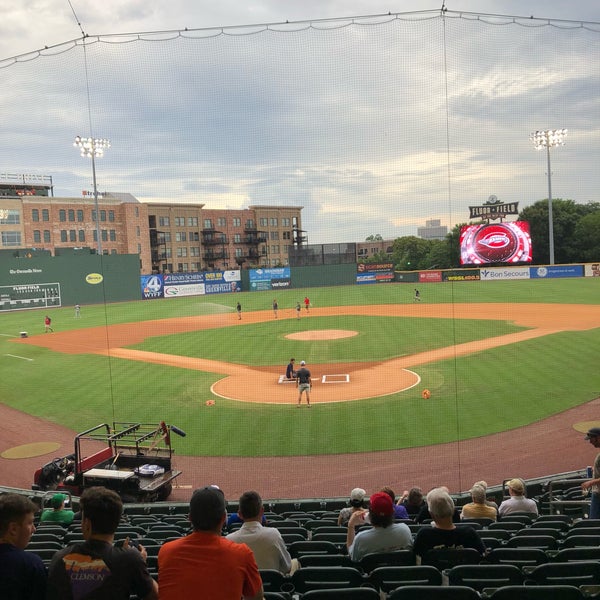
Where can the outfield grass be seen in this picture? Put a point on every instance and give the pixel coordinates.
(471, 396)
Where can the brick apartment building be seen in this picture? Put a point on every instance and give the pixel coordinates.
(167, 237)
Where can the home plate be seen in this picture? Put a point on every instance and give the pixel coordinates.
(345, 378)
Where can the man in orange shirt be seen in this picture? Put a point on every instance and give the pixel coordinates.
(205, 564)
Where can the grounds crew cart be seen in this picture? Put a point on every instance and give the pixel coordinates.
(133, 459)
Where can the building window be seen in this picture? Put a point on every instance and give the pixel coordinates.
(164, 221)
(111, 216)
(168, 255)
(194, 236)
(287, 235)
(182, 267)
(222, 222)
(137, 211)
(80, 216)
(250, 224)
(113, 251)
(62, 215)
(275, 249)
(72, 235)
(94, 216)
(180, 236)
(181, 252)
(167, 236)
(273, 222)
(192, 221)
(113, 235)
(45, 214)
(82, 235)
(274, 235)
(238, 252)
(208, 224)
(10, 217)
(35, 215)
(63, 235)
(264, 222)
(194, 251)
(47, 236)
(237, 222)
(71, 214)
(137, 231)
(103, 215)
(11, 238)
(195, 266)
(37, 236)
(237, 238)
(179, 221)
(285, 222)
(139, 248)
(95, 236)
(104, 235)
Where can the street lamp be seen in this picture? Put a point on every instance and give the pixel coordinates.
(549, 139)
(93, 148)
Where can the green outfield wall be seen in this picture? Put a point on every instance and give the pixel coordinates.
(46, 281)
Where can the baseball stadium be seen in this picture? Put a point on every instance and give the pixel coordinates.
(156, 284)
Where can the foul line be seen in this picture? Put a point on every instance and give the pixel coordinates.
(21, 357)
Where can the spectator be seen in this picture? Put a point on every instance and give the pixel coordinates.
(95, 568)
(517, 501)
(357, 501)
(384, 536)
(204, 564)
(593, 485)
(478, 508)
(413, 501)
(58, 513)
(488, 502)
(444, 533)
(399, 510)
(22, 574)
(265, 542)
(425, 515)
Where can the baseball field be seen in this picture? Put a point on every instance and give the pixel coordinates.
(511, 368)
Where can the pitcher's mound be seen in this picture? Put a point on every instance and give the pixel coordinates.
(321, 334)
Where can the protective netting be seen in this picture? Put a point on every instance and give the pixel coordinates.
(373, 125)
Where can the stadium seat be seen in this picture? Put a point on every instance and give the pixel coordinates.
(560, 525)
(555, 533)
(581, 553)
(545, 542)
(520, 557)
(586, 523)
(314, 524)
(387, 579)
(492, 542)
(507, 525)
(499, 534)
(397, 558)
(578, 541)
(357, 593)
(325, 560)
(422, 592)
(481, 521)
(480, 576)
(523, 517)
(312, 578)
(299, 548)
(537, 592)
(574, 573)
(272, 580)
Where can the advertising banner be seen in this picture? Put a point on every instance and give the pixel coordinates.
(504, 273)
(592, 270)
(430, 276)
(375, 273)
(192, 289)
(152, 286)
(272, 278)
(556, 271)
(461, 275)
(362, 278)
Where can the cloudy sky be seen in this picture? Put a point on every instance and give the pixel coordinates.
(373, 125)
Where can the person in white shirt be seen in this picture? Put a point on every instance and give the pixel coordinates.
(265, 542)
(517, 501)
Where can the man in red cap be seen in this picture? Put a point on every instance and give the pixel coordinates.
(593, 485)
(384, 536)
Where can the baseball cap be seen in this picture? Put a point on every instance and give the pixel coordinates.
(57, 500)
(593, 432)
(517, 485)
(381, 504)
(358, 494)
(302, 362)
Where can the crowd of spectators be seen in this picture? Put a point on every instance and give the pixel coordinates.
(207, 564)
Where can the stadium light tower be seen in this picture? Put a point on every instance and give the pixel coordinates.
(549, 139)
(93, 148)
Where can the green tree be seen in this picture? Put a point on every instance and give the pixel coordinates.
(410, 253)
(374, 238)
(587, 235)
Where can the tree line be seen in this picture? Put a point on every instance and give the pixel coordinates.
(576, 239)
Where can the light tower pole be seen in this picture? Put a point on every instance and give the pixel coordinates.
(93, 148)
(550, 138)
